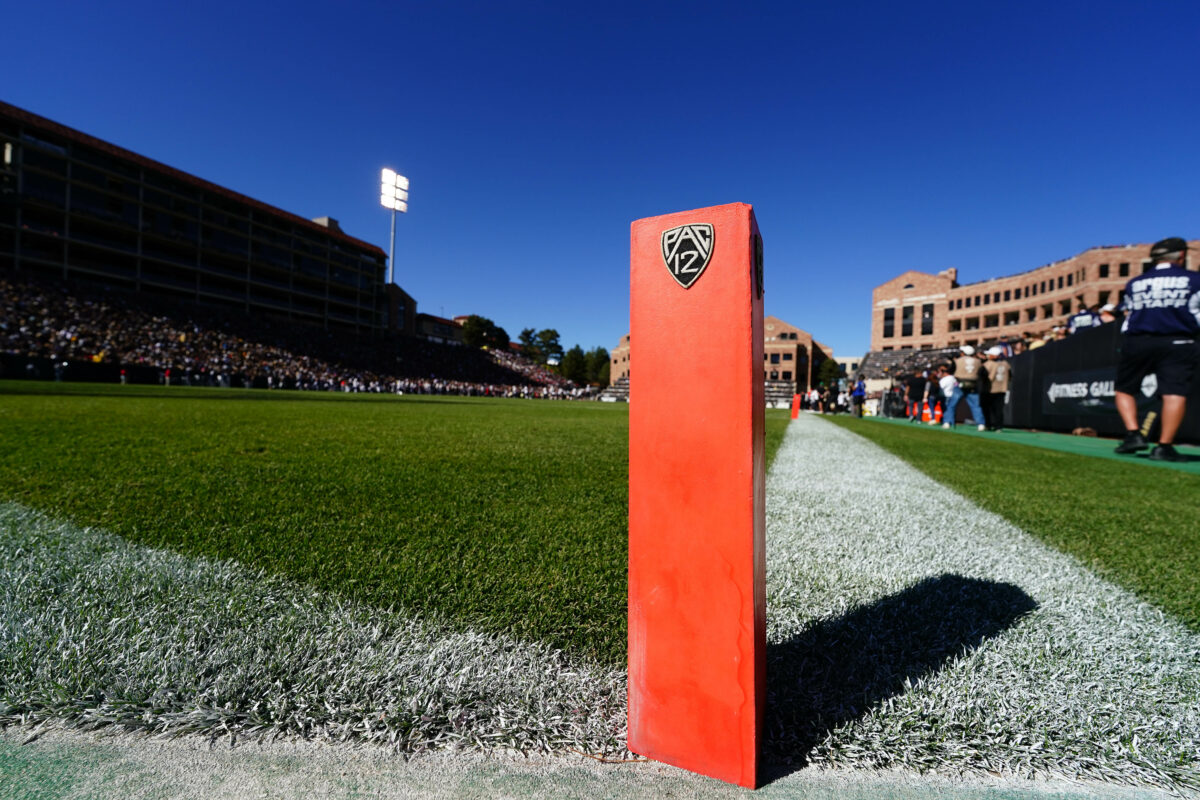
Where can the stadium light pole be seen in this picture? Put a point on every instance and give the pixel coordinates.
(393, 194)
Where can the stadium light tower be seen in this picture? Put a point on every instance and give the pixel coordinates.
(393, 194)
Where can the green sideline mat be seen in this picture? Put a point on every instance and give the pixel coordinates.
(1094, 446)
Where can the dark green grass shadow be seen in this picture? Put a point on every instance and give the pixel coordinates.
(1136, 526)
(839, 669)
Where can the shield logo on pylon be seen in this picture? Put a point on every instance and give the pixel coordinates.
(686, 251)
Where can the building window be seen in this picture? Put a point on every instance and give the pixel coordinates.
(889, 323)
(774, 358)
(787, 356)
(787, 375)
(1048, 311)
(1147, 266)
(955, 325)
(1043, 290)
(991, 321)
(1123, 270)
(1103, 270)
(1007, 295)
(1012, 317)
(774, 376)
(1031, 314)
(906, 321)
(972, 323)
(887, 347)
(1070, 280)
(927, 319)
(1103, 298)
(1064, 306)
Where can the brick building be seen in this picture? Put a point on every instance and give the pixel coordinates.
(920, 311)
(74, 206)
(790, 356)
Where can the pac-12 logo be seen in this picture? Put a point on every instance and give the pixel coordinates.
(686, 251)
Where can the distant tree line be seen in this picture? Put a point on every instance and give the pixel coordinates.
(543, 347)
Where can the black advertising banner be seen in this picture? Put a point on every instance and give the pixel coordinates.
(1088, 391)
(1069, 384)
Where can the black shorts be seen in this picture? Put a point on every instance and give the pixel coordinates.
(1172, 359)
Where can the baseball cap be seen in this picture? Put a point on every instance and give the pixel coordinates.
(994, 351)
(1164, 247)
(1109, 307)
(967, 350)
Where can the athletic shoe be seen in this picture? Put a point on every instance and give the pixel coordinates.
(1165, 452)
(1132, 443)
(983, 427)
(946, 425)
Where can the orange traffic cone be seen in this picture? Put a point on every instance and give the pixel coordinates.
(937, 414)
(925, 412)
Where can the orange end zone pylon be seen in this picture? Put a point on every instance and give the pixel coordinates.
(795, 406)
(697, 603)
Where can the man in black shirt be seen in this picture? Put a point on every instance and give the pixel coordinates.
(1161, 327)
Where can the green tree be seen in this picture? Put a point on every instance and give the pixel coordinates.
(548, 346)
(829, 372)
(574, 365)
(597, 366)
(529, 345)
(482, 332)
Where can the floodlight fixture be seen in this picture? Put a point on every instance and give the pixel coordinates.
(393, 195)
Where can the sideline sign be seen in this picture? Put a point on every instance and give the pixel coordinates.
(697, 602)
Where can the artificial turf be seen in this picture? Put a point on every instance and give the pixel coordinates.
(1136, 526)
(506, 515)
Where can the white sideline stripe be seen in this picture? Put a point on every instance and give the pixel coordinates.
(848, 523)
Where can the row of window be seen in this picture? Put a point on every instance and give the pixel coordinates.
(775, 376)
(86, 204)
(1041, 287)
(774, 357)
(216, 210)
(906, 321)
(1014, 317)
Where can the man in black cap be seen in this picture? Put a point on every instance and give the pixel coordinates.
(1161, 327)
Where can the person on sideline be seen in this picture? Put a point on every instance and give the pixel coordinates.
(858, 396)
(951, 391)
(1162, 324)
(967, 368)
(998, 374)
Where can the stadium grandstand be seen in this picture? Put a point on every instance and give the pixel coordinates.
(115, 266)
(74, 206)
(87, 332)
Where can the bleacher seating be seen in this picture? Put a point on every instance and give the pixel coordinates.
(617, 392)
(778, 394)
(885, 364)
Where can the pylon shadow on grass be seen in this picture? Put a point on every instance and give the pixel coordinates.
(839, 669)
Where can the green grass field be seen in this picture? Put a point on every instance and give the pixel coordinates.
(1136, 525)
(505, 515)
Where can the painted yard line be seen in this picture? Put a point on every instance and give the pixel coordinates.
(910, 628)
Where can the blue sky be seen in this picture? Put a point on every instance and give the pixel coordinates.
(871, 138)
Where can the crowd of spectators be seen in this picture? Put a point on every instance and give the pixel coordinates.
(66, 324)
(933, 393)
